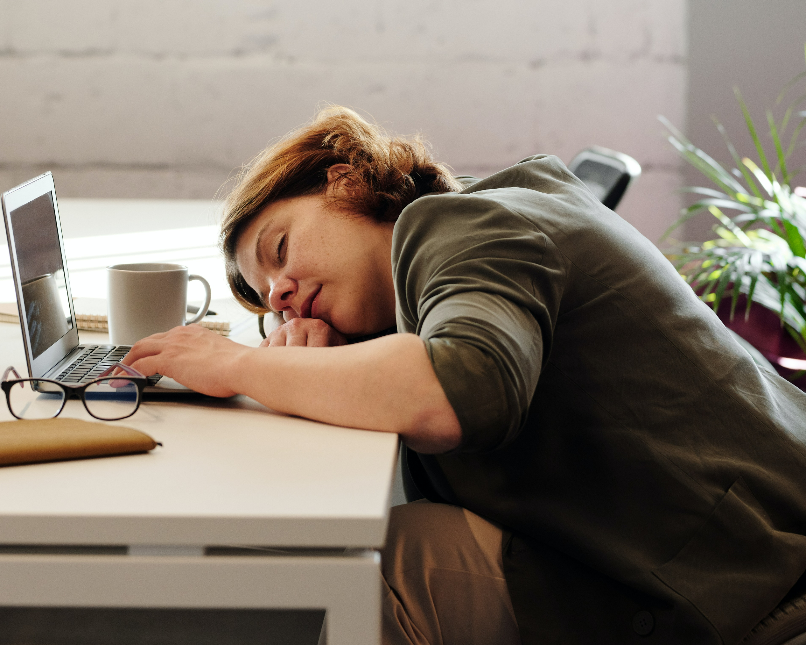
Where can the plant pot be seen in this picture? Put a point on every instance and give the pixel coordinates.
(763, 330)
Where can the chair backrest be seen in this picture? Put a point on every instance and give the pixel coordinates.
(606, 172)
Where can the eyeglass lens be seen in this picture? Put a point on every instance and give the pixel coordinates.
(106, 399)
(111, 398)
(35, 399)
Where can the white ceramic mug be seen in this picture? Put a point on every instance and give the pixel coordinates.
(148, 298)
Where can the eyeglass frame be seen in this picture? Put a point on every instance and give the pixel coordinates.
(77, 390)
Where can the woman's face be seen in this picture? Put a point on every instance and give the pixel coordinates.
(310, 262)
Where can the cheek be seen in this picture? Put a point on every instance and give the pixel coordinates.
(248, 275)
(253, 276)
(244, 263)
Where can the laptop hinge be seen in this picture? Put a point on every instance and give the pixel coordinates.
(57, 369)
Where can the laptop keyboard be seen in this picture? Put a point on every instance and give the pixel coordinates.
(93, 361)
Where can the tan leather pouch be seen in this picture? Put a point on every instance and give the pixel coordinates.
(25, 442)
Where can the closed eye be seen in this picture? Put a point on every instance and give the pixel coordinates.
(281, 246)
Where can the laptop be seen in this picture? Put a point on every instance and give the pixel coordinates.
(44, 299)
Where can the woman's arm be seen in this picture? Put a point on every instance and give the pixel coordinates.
(386, 384)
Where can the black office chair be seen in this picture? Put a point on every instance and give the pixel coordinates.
(607, 173)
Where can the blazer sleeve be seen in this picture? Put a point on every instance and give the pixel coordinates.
(481, 285)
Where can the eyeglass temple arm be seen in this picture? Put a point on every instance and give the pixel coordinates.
(10, 370)
(129, 370)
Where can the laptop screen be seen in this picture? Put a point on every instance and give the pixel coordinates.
(41, 273)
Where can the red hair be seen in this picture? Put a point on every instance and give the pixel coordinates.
(387, 174)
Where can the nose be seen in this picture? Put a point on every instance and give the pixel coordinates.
(282, 293)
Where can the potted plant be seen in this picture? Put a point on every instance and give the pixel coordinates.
(758, 254)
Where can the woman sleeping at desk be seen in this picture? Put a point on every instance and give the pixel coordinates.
(604, 462)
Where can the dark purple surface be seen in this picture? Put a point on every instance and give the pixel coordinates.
(763, 330)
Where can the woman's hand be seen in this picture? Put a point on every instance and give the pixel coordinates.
(195, 357)
(304, 332)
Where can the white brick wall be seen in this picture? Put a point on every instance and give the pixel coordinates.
(164, 98)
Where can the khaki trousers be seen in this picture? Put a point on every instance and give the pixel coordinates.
(443, 584)
(444, 579)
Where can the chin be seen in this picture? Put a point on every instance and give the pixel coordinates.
(353, 328)
(364, 333)
(346, 327)
(349, 330)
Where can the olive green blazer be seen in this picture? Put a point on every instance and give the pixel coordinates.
(651, 478)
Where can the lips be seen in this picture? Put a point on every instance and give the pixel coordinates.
(308, 308)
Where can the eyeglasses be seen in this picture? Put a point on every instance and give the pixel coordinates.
(107, 398)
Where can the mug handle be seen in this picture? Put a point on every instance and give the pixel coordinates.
(203, 311)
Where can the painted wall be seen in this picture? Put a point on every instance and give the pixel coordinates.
(755, 46)
(165, 98)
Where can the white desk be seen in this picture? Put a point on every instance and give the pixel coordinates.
(230, 473)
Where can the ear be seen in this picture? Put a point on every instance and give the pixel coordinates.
(336, 172)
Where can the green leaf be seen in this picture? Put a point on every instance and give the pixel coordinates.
(796, 299)
(793, 141)
(736, 159)
(675, 132)
(700, 160)
(686, 215)
(734, 300)
(779, 149)
(756, 263)
(740, 235)
(725, 279)
(751, 127)
(785, 120)
(704, 204)
(790, 84)
(763, 179)
(767, 295)
(708, 192)
(794, 238)
(708, 167)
